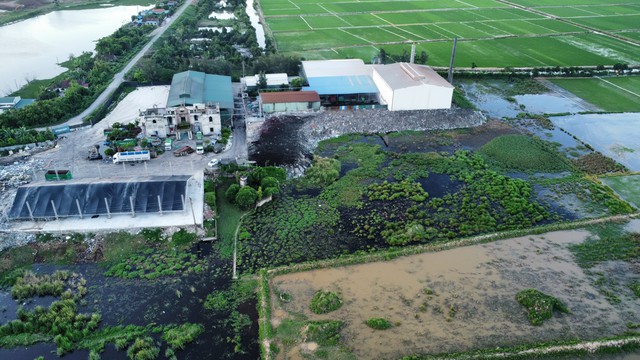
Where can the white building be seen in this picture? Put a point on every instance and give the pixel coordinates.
(182, 119)
(405, 86)
(273, 81)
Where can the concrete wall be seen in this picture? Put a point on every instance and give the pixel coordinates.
(386, 93)
(423, 97)
(290, 107)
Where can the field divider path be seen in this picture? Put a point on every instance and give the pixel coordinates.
(567, 21)
(617, 86)
(388, 255)
(305, 21)
(354, 35)
(294, 4)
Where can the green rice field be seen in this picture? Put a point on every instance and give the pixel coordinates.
(521, 33)
(608, 93)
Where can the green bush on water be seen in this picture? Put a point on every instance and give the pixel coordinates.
(539, 305)
(379, 324)
(325, 301)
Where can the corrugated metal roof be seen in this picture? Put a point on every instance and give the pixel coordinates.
(289, 97)
(342, 85)
(345, 67)
(405, 75)
(195, 87)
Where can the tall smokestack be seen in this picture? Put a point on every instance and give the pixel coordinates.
(453, 55)
(413, 53)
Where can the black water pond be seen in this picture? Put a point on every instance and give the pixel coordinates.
(169, 300)
(280, 143)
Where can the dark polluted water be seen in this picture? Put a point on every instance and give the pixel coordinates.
(281, 143)
(170, 300)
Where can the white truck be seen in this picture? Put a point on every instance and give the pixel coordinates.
(126, 156)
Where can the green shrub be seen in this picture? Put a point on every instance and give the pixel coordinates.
(183, 238)
(379, 324)
(246, 197)
(231, 193)
(325, 301)
(152, 235)
(539, 305)
(323, 172)
(209, 186)
(210, 199)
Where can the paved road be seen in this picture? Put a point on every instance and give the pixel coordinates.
(119, 77)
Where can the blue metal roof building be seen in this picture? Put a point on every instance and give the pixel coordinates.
(342, 85)
(195, 87)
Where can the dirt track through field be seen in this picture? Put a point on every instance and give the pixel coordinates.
(473, 302)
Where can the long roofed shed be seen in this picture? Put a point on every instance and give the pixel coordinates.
(195, 87)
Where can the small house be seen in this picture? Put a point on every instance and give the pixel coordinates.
(289, 101)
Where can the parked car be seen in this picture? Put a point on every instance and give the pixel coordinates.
(213, 163)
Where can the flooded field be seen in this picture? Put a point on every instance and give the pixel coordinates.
(499, 100)
(614, 135)
(461, 299)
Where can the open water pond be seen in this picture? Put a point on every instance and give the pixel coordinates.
(614, 135)
(550, 103)
(32, 48)
(489, 100)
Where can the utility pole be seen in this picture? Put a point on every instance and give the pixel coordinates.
(453, 55)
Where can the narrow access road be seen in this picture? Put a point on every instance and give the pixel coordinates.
(119, 77)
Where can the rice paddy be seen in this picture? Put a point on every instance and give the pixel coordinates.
(522, 33)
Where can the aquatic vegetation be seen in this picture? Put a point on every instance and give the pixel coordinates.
(597, 164)
(177, 337)
(608, 245)
(325, 333)
(152, 264)
(540, 306)
(227, 302)
(325, 301)
(379, 324)
(635, 287)
(296, 223)
(143, 349)
(323, 172)
(60, 322)
(524, 153)
(30, 284)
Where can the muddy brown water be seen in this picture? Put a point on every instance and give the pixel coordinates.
(473, 303)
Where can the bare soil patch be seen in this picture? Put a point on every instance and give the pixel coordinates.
(460, 299)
